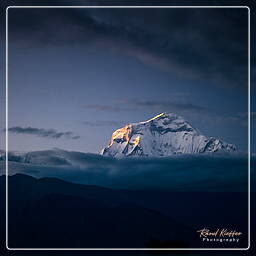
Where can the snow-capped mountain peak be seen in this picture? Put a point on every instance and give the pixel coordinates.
(163, 135)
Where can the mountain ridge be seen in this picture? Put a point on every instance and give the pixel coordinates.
(161, 136)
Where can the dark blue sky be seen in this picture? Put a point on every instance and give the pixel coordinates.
(75, 75)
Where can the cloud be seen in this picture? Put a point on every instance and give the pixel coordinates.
(165, 105)
(162, 106)
(103, 123)
(213, 51)
(41, 132)
(110, 108)
(177, 173)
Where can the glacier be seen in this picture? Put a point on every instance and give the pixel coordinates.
(164, 135)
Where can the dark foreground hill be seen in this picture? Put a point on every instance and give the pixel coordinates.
(52, 213)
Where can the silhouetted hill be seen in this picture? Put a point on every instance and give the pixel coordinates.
(50, 212)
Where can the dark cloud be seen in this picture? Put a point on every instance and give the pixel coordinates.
(208, 45)
(177, 173)
(110, 108)
(41, 132)
(103, 123)
(162, 106)
(166, 106)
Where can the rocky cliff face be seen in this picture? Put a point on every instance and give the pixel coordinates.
(163, 135)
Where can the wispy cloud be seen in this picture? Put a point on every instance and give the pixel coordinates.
(110, 108)
(41, 132)
(131, 105)
(103, 123)
(165, 105)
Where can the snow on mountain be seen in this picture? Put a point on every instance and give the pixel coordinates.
(44, 157)
(163, 135)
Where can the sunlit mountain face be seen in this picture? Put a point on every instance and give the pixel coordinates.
(163, 135)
